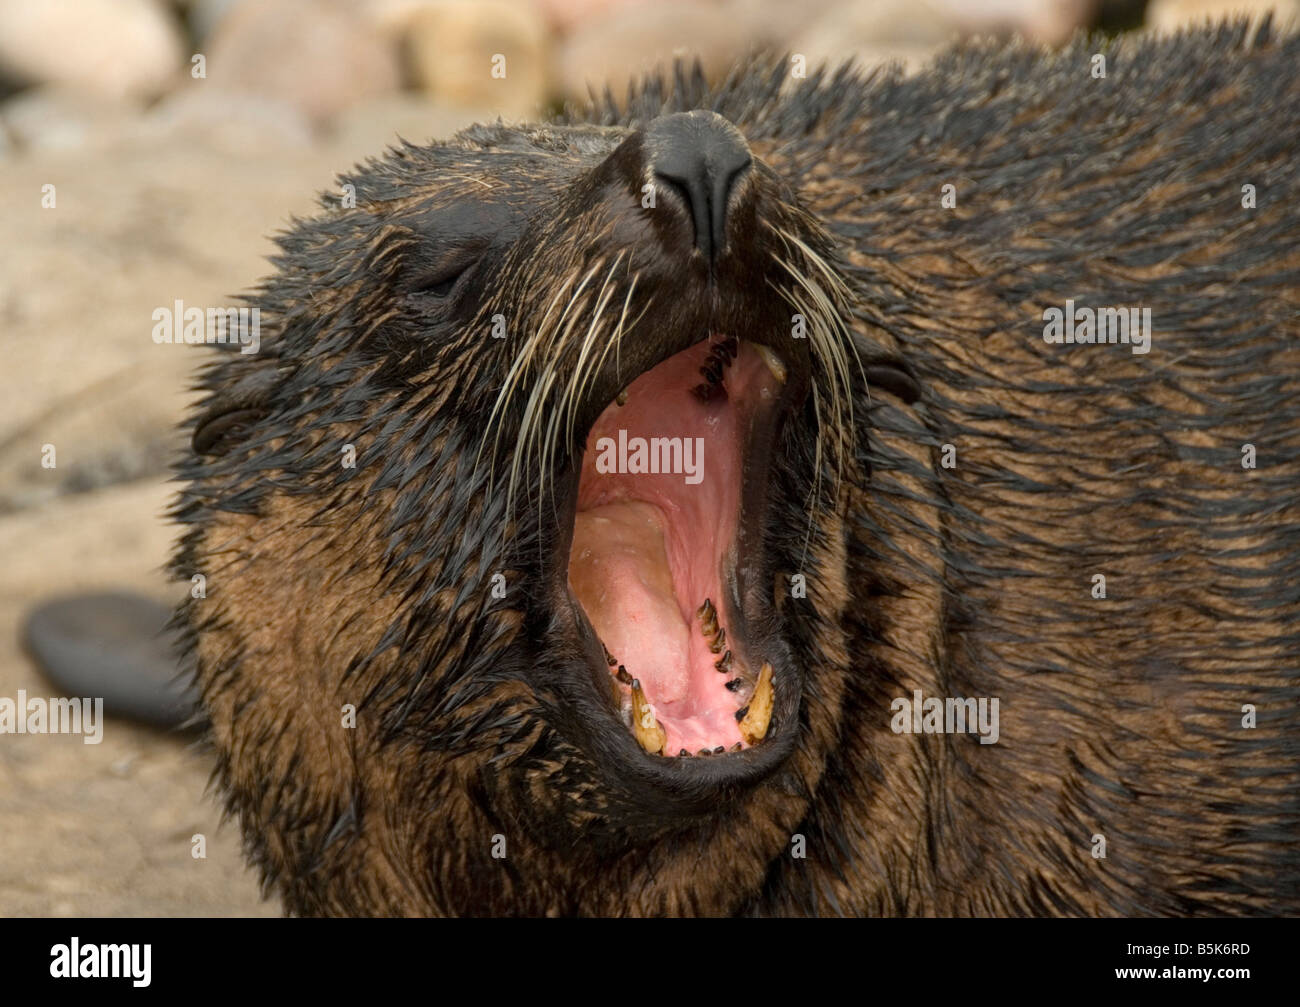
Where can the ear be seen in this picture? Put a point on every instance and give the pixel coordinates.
(883, 366)
(229, 415)
(893, 378)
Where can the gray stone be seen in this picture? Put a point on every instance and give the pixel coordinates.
(112, 48)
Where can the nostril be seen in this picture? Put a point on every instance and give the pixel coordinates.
(677, 186)
(722, 198)
(693, 195)
(701, 157)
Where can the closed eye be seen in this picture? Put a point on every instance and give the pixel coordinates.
(441, 288)
(442, 282)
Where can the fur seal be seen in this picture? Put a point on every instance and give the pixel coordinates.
(477, 640)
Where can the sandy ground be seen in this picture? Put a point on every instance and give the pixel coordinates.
(104, 830)
(139, 222)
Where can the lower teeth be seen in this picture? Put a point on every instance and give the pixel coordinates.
(754, 724)
(638, 715)
(647, 730)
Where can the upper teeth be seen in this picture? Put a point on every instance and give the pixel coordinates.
(773, 362)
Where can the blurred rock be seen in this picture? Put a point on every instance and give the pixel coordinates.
(203, 16)
(454, 47)
(624, 43)
(565, 15)
(1171, 15)
(112, 48)
(133, 228)
(395, 16)
(1051, 22)
(367, 129)
(911, 31)
(61, 118)
(227, 120)
(318, 55)
(906, 31)
(773, 23)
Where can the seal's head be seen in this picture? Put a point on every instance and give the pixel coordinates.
(523, 531)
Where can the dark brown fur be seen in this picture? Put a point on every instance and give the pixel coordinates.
(1120, 717)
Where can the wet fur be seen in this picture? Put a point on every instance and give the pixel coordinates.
(1120, 717)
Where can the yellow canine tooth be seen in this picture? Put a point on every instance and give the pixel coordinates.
(773, 362)
(648, 732)
(753, 727)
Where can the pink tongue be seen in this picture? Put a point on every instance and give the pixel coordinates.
(620, 573)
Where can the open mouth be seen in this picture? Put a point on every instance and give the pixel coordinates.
(667, 547)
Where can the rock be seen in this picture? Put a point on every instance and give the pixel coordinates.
(132, 229)
(906, 31)
(115, 646)
(203, 16)
(492, 55)
(912, 31)
(1171, 15)
(1051, 22)
(57, 117)
(366, 129)
(227, 120)
(112, 48)
(625, 43)
(565, 15)
(319, 56)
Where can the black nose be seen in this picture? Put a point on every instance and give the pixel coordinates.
(701, 155)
